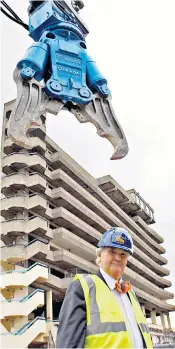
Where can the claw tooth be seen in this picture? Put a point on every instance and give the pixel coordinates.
(120, 153)
(117, 157)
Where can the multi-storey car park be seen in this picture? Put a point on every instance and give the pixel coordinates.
(53, 214)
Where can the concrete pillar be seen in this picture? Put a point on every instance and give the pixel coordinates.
(153, 317)
(168, 320)
(49, 310)
(143, 309)
(162, 316)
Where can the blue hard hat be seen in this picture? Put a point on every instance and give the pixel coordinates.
(117, 237)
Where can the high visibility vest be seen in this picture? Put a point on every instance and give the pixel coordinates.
(106, 326)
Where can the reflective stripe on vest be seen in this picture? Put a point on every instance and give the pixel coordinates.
(106, 325)
(144, 326)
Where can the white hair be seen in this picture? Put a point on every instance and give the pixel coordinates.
(98, 254)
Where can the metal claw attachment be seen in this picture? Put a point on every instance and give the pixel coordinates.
(101, 114)
(31, 103)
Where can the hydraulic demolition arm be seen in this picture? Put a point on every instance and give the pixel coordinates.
(56, 72)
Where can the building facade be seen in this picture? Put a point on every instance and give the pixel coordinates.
(53, 214)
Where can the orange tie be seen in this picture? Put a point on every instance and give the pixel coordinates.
(122, 286)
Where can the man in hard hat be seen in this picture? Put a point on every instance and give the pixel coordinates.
(102, 311)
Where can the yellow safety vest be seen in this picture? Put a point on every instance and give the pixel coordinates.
(106, 326)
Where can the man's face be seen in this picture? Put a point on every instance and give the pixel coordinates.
(113, 261)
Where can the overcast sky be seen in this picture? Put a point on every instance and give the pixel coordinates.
(132, 42)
